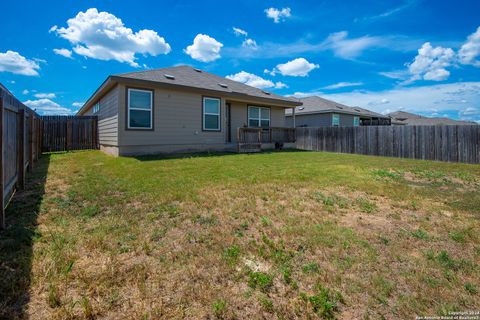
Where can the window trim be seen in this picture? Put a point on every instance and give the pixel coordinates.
(152, 103)
(259, 116)
(219, 114)
(96, 105)
(333, 122)
(356, 123)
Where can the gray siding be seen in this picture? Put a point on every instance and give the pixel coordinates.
(108, 118)
(319, 120)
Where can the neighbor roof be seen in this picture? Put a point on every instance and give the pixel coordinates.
(407, 118)
(316, 104)
(191, 78)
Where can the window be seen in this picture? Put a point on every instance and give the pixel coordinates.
(96, 107)
(335, 120)
(258, 117)
(356, 121)
(140, 105)
(211, 114)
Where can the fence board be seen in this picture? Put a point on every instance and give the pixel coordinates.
(443, 143)
(65, 133)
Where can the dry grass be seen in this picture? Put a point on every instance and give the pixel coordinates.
(281, 235)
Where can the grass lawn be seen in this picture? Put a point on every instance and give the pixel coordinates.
(272, 235)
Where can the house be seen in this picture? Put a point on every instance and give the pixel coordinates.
(181, 109)
(407, 118)
(320, 112)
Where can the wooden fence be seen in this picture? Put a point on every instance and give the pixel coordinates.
(251, 139)
(65, 133)
(20, 143)
(443, 143)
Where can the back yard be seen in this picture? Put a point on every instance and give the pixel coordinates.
(272, 235)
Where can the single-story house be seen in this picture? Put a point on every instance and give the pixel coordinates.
(180, 109)
(402, 118)
(320, 112)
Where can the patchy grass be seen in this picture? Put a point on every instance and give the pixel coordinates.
(271, 235)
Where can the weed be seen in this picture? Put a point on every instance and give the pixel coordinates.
(419, 234)
(446, 261)
(458, 236)
(471, 288)
(168, 209)
(53, 299)
(219, 307)
(311, 267)
(383, 288)
(366, 205)
(89, 211)
(325, 303)
(265, 221)
(384, 173)
(231, 254)
(266, 303)
(205, 220)
(260, 280)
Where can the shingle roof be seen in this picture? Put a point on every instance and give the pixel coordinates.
(407, 118)
(315, 104)
(186, 76)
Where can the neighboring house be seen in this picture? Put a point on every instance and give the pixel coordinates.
(407, 118)
(320, 112)
(179, 109)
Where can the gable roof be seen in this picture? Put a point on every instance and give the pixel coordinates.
(407, 118)
(316, 104)
(189, 78)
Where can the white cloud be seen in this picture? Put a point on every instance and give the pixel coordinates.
(13, 62)
(204, 48)
(299, 67)
(351, 48)
(431, 63)
(239, 32)
(440, 98)
(103, 36)
(278, 15)
(45, 95)
(470, 50)
(250, 43)
(25, 92)
(78, 104)
(343, 85)
(396, 74)
(63, 52)
(470, 111)
(47, 106)
(255, 81)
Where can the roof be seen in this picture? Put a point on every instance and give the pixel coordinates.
(407, 118)
(316, 104)
(194, 79)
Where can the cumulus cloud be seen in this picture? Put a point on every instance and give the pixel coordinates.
(63, 52)
(47, 106)
(470, 50)
(78, 104)
(45, 95)
(342, 85)
(250, 43)
(14, 62)
(255, 81)
(299, 67)
(431, 63)
(25, 92)
(103, 36)
(204, 48)
(239, 32)
(278, 14)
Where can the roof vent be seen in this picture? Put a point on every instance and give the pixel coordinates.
(357, 110)
(223, 85)
(198, 70)
(169, 76)
(301, 108)
(266, 92)
(339, 107)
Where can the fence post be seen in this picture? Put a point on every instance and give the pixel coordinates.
(2, 187)
(30, 141)
(21, 148)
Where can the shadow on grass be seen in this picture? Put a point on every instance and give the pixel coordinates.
(16, 243)
(173, 156)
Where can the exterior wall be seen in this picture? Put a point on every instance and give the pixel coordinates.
(319, 120)
(108, 118)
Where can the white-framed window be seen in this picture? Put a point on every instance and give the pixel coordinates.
(96, 107)
(356, 121)
(335, 120)
(258, 117)
(211, 114)
(140, 109)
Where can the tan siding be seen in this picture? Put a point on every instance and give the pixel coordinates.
(107, 118)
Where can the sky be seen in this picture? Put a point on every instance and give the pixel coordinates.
(413, 55)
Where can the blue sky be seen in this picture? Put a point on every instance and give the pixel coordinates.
(414, 55)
